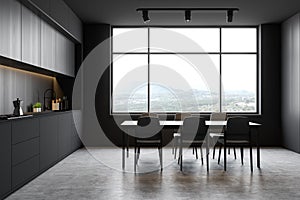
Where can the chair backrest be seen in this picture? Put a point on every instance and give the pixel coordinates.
(181, 116)
(217, 116)
(193, 128)
(237, 128)
(148, 127)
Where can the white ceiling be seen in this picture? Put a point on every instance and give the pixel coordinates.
(123, 12)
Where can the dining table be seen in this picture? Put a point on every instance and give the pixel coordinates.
(178, 123)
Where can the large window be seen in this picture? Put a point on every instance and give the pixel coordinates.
(197, 69)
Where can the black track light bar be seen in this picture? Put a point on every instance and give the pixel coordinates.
(191, 9)
(187, 11)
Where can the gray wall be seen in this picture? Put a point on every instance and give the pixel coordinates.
(290, 83)
(27, 86)
(270, 61)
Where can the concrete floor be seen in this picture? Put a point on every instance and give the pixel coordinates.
(80, 176)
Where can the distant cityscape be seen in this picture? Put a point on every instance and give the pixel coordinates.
(185, 101)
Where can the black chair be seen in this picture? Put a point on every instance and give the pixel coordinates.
(147, 134)
(193, 135)
(237, 134)
(177, 134)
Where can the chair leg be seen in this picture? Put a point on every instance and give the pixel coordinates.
(173, 148)
(251, 159)
(180, 155)
(196, 152)
(201, 155)
(228, 151)
(242, 155)
(193, 150)
(160, 158)
(207, 157)
(127, 146)
(220, 151)
(138, 154)
(214, 152)
(234, 152)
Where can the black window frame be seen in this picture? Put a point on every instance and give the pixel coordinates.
(258, 71)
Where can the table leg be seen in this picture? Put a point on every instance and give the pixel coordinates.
(258, 149)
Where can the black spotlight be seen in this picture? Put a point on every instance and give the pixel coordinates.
(146, 16)
(229, 15)
(187, 15)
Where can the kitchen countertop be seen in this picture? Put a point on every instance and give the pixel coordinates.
(29, 115)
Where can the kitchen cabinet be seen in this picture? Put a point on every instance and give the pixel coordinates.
(48, 141)
(5, 161)
(30, 146)
(64, 134)
(31, 37)
(10, 29)
(25, 37)
(23, 172)
(48, 40)
(25, 150)
(75, 139)
(70, 67)
(24, 129)
(65, 55)
(60, 52)
(58, 13)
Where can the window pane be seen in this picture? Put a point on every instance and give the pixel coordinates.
(184, 83)
(130, 83)
(239, 83)
(238, 39)
(184, 39)
(130, 40)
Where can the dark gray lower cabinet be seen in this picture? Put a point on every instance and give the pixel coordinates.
(24, 171)
(30, 146)
(75, 139)
(24, 129)
(5, 161)
(48, 141)
(64, 134)
(25, 150)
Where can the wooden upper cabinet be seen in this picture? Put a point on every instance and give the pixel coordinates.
(31, 37)
(10, 29)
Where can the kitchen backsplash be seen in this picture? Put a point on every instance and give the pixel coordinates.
(25, 85)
